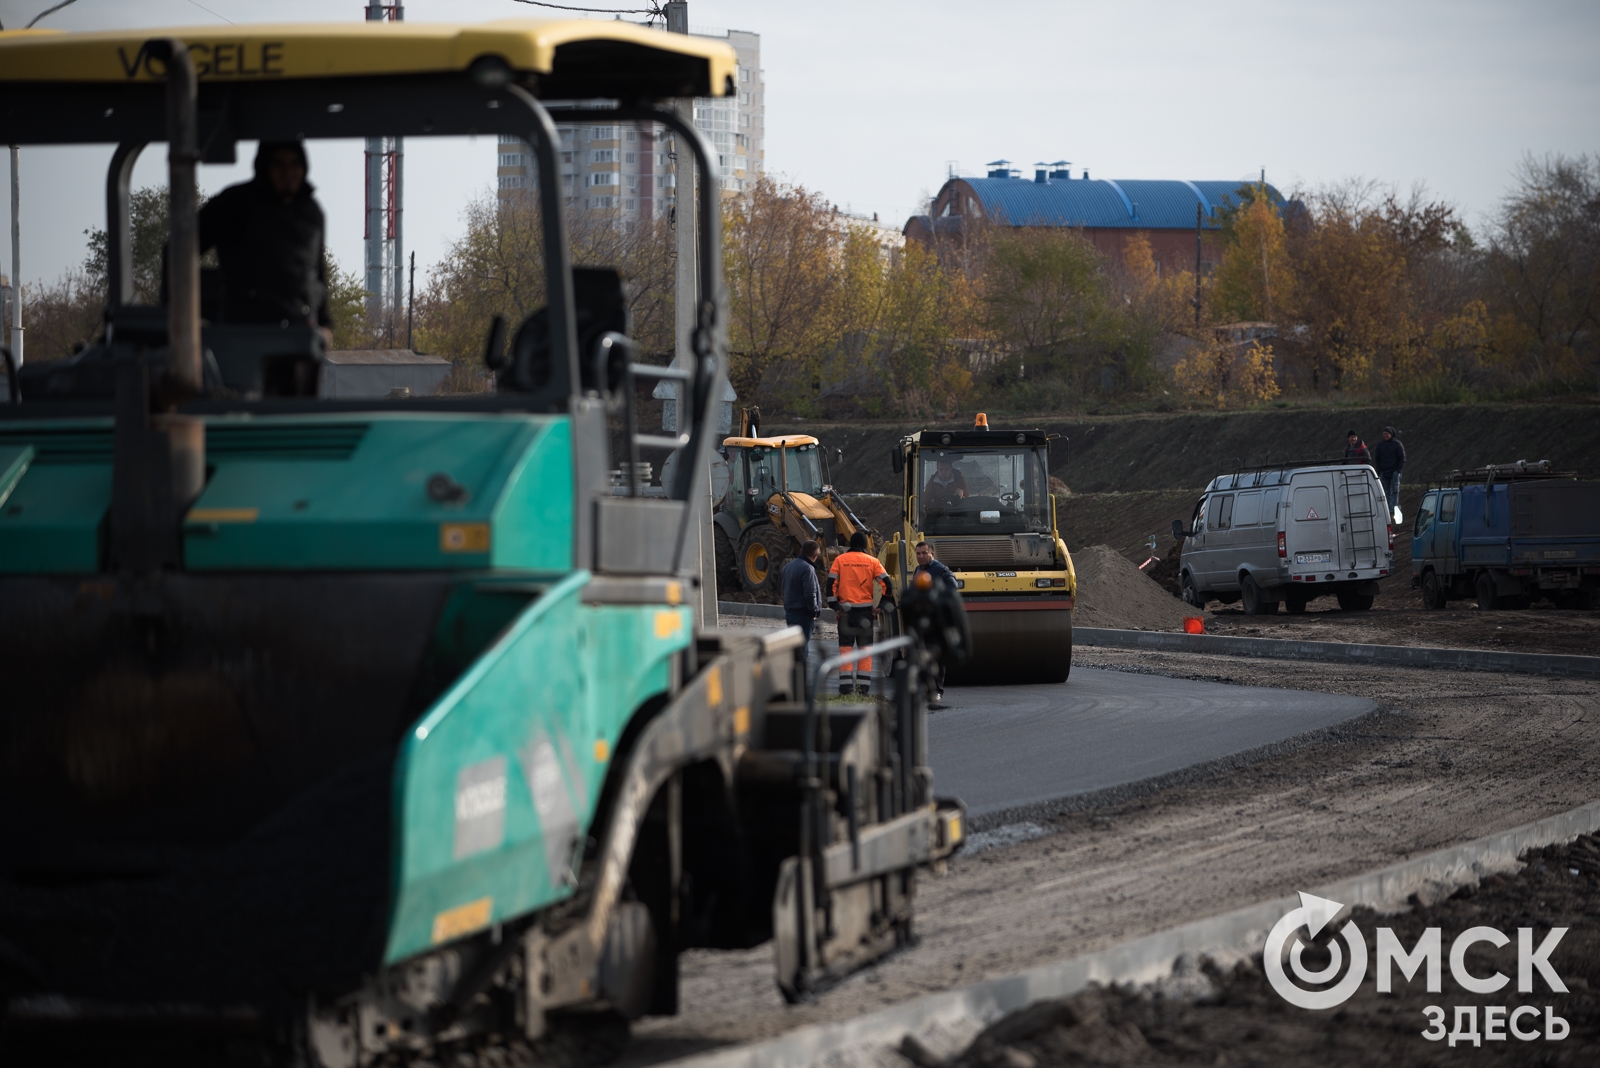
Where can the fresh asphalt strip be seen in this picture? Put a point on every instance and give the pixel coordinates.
(1018, 752)
(1006, 749)
(1282, 649)
(950, 1019)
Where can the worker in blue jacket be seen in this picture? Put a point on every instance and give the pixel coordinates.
(802, 592)
(1389, 459)
(935, 569)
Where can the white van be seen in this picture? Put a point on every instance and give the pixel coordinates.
(1288, 534)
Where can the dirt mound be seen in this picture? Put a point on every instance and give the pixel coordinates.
(1113, 592)
(1215, 1015)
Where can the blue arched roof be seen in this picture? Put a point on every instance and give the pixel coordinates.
(1126, 203)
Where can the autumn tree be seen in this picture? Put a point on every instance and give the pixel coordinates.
(1218, 373)
(1348, 277)
(1147, 305)
(895, 317)
(1046, 295)
(62, 316)
(1544, 266)
(1254, 280)
(497, 268)
(147, 228)
(779, 259)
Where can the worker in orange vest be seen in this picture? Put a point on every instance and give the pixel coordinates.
(852, 588)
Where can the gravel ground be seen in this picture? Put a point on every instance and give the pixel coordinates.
(1447, 758)
(1540, 629)
(1230, 1015)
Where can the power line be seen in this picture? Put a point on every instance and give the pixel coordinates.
(49, 11)
(655, 9)
(208, 11)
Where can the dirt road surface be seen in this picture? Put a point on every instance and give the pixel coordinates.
(1230, 1015)
(1446, 758)
(1530, 630)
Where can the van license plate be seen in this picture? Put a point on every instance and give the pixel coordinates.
(1313, 558)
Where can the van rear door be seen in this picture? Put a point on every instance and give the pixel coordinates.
(1360, 503)
(1309, 532)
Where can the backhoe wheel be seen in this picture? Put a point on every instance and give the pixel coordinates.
(727, 562)
(1432, 591)
(763, 551)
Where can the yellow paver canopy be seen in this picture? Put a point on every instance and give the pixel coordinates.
(336, 79)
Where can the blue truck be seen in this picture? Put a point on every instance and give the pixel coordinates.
(1508, 535)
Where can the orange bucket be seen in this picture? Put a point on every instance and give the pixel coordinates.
(1194, 625)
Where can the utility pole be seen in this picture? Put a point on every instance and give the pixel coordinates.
(1198, 218)
(683, 209)
(385, 168)
(685, 281)
(411, 296)
(16, 255)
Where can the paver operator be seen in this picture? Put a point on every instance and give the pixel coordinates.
(268, 233)
(947, 486)
(852, 584)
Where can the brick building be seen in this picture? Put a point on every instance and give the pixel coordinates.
(1108, 212)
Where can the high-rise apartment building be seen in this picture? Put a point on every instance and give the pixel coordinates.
(633, 169)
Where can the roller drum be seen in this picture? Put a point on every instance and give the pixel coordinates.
(1016, 646)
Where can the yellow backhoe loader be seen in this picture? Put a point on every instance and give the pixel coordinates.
(982, 500)
(778, 497)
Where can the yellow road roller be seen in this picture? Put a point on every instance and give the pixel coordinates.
(981, 499)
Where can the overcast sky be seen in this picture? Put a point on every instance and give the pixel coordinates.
(867, 102)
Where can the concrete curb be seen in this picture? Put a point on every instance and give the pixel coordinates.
(961, 1013)
(1282, 649)
(1377, 655)
(763, 611)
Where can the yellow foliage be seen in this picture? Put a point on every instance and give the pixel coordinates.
(1141, 261)
(1257, 382)
(1222, 374)
(1254, 282)
(1166, 300)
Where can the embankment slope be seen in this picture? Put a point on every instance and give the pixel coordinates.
(1184, 450)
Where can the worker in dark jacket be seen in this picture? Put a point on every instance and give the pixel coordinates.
(802, 591)
(935, 569)
(1389, 457)
(268, 233)
(1355, 450)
